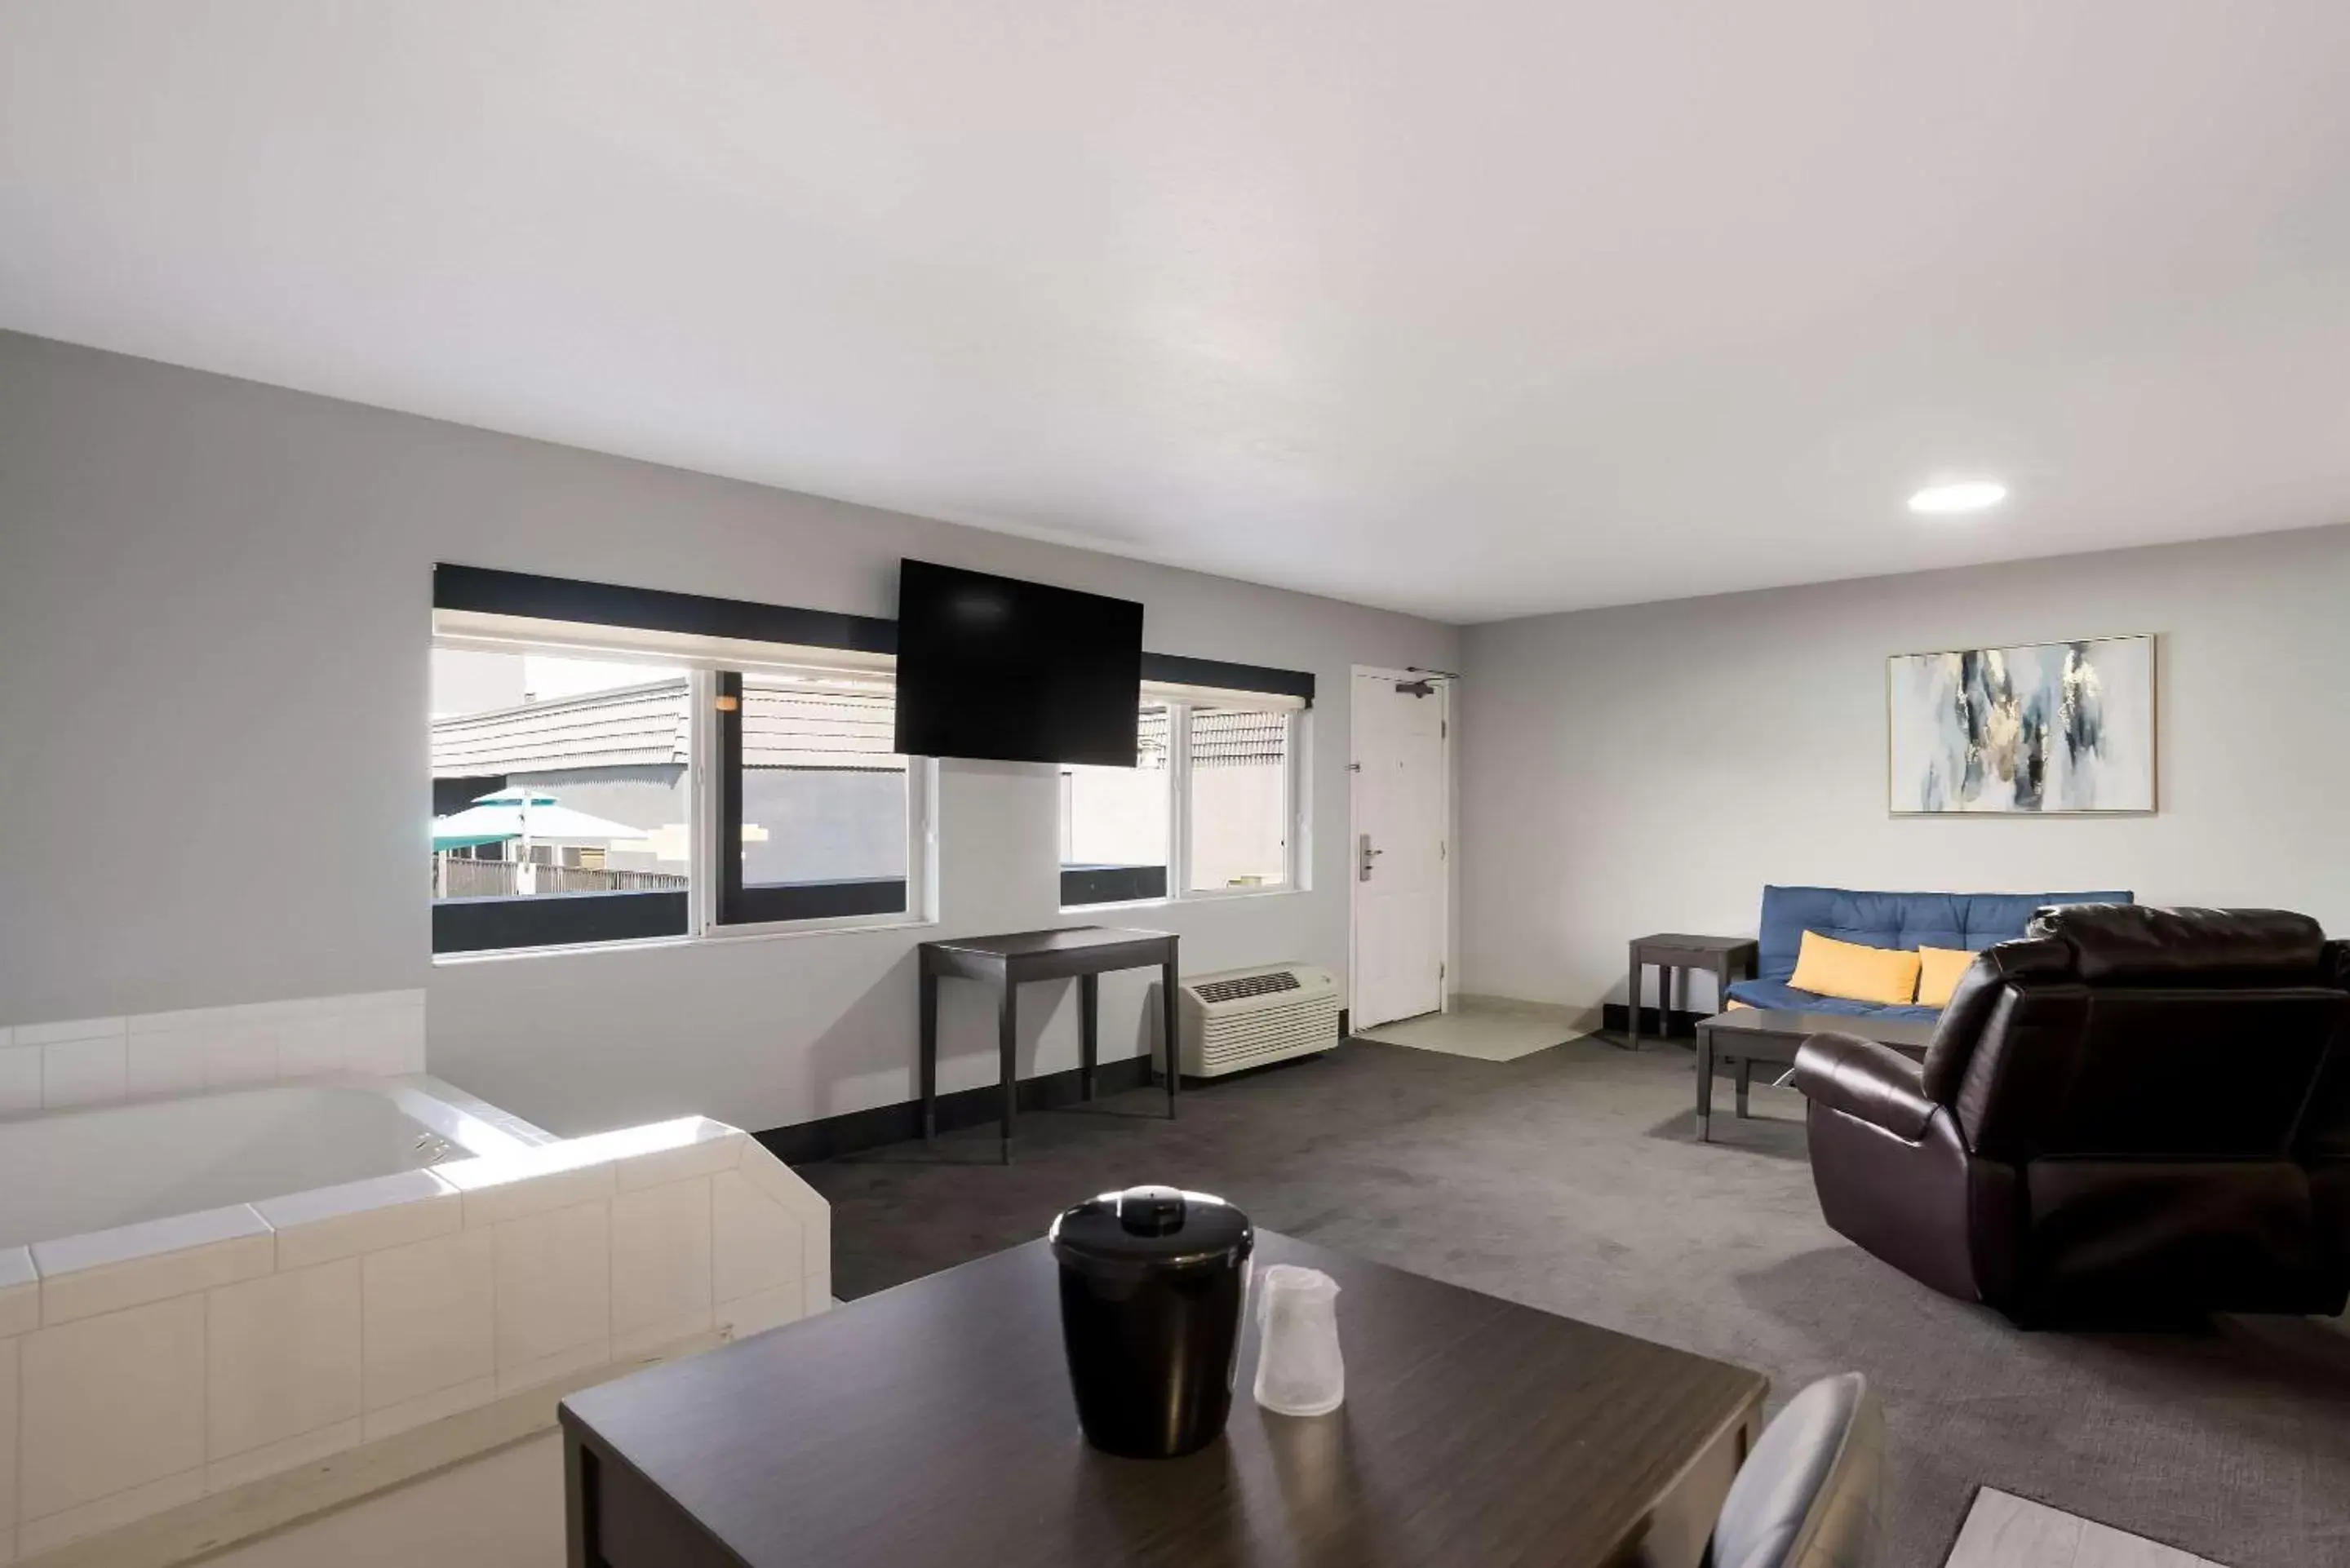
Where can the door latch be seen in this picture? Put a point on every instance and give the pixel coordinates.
(1364, 873)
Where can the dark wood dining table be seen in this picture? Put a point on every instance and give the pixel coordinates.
(934, 1425)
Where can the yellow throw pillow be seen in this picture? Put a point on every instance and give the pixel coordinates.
(1937, 973)
(1854, 972)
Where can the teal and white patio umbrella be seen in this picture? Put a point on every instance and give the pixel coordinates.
(531, 815)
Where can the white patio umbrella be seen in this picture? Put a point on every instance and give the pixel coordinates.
(530, 815)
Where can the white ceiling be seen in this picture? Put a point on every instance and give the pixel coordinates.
(1472, 310)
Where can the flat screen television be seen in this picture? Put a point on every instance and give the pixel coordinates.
(993, 667)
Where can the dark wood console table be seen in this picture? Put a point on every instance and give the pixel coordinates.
(931, 1426)
(1008, 961)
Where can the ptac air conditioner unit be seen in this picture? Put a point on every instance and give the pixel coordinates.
(1246, 1017)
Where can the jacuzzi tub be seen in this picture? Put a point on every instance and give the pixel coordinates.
(221, 1310)
(67, 1173)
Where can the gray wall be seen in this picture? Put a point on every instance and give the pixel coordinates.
(213, 610)
(1650, 768)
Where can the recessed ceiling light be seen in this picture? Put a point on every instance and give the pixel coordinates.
(1972, 495)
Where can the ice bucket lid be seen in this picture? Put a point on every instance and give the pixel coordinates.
(1157, 1227)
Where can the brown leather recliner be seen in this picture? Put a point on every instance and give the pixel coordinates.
(2131, 1112)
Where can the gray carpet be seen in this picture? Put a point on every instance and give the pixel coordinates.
(1567, 1180)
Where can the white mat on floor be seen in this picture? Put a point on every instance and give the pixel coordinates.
(1487, 1035)
(2002, 1530)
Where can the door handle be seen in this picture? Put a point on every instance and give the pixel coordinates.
(1364, 861)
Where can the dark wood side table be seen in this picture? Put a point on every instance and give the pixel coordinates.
(1773, 1035)
(931, 1426)
(1006, 962)
(1727, 957)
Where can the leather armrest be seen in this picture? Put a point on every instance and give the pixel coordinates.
(1862, 1078)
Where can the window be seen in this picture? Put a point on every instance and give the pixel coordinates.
(615, 764)
(1117, 824)
(1212, 787)
(1237, 788)
(561, 799)
(816, 818)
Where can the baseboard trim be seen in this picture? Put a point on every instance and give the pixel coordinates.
(1683, 1025)
(852, 1132)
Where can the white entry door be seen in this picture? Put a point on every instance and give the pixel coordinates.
(1401, 727)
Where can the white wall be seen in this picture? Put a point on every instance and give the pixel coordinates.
(1650, 768)
(213, 611)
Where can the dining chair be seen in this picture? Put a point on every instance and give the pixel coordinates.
(1807, 1496)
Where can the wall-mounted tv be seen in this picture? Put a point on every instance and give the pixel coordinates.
(993, 667)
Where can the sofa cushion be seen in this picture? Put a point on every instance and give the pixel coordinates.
(1939, 970)
(1887, 976)
(1972, 920)
(1779, 994)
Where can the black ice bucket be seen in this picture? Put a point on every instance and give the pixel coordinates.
(1152, 1283)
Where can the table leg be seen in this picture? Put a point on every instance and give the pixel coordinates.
(930, 1063)
(1167, 1030)
(1007, 1039)
(1088, 1031)
(1632, 999)
(1677, 1526)
(1721, 983)
(1704, 1084)
(1745, 1081)
(579, 1546)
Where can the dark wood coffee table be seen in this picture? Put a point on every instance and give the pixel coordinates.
(1752, 1035)
(933, 1425)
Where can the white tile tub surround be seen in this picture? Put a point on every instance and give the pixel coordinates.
(160, 1366)
(431, 1315)
(106, 1271)
(98, 1061)
(20, 1291)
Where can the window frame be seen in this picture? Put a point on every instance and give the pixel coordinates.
(1178, 870)
(483, 608)
(466, 930)
(733, 907)
(476, 928)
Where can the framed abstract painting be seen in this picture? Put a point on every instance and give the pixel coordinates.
(2042, 729)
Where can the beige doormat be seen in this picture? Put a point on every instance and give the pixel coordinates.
(1488, 1034)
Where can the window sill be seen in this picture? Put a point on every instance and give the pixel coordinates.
(1234, 895)
(725, 937)
(771, 930)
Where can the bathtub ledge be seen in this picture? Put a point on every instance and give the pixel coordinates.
(106, 1271)
(330, 1222)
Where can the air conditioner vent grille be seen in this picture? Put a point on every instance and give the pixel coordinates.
(1246, 1017)
(1247, 985)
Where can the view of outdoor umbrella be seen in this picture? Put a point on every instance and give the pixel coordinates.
(511, 813)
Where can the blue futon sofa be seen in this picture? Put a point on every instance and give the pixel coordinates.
(1972, 920)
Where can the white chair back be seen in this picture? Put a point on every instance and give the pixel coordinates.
(1807, 1497)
